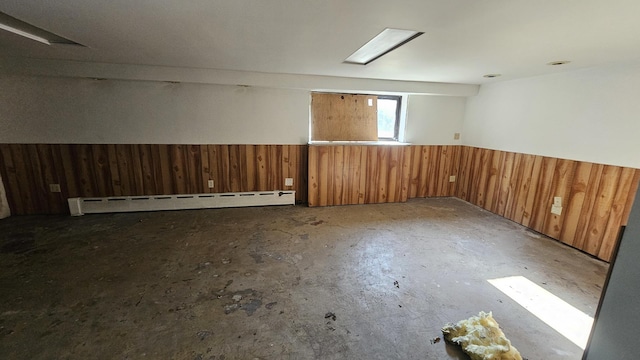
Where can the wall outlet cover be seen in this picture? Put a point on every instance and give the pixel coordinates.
(557, 210)
(557, 201)
(54, 188)
(210, 183)
(288, 182)
(452, 178)
(456, 136)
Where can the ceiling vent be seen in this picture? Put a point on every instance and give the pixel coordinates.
(556, 63)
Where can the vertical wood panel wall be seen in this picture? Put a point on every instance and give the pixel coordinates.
(118, 170)
(361, 174)
(596, 198)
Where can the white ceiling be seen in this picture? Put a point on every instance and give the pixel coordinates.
(463, 40)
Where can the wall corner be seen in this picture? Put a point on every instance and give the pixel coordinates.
(4, 204)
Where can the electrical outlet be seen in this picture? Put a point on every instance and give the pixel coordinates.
(288, 182)
(456, 136)
(557, 210)
(557, 201)
(210, 183)
(452, 178)
(54, 188)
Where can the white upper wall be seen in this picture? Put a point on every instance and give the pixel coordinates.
(75, 110)
(45, 109)
(67, 68)
(589, 115)
(433, 120)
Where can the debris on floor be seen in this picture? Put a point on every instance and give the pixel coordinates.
(481, 338)
(203, 334)
(435, 340)
(330, 315)
(203, 265)
(248, 300)
(270, 305)
(396, 284)
(228, 309)
(226, 261)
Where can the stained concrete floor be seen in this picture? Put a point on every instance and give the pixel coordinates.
(258, 283)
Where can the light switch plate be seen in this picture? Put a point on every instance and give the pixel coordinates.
(557, 201)
(54, 188)
(452, 178)
(456, 136)
(210, 183)
(557, 210)
(288, 182)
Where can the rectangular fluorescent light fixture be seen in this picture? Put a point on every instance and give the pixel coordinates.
(385, 42)
(24, 33)
(19, 27)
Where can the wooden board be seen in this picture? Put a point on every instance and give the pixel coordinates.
(357, 174)
(596, 198)
(347, 117)
(96, 170)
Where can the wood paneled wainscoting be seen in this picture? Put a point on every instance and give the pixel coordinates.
(596, 198)
(117, 170)
(366, 174)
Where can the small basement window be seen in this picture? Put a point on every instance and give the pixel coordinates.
(352, 117)
(388, 117)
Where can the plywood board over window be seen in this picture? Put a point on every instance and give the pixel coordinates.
(344, 117)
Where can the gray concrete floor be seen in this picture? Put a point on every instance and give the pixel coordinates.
(257, 283)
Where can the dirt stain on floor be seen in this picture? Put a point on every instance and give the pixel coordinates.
(18, 243)
(250, 301)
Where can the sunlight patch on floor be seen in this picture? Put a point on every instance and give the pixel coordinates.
(555, 312)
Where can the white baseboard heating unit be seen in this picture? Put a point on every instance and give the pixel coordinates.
(81, 206)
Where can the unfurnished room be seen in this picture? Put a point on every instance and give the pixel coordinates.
(280, 179)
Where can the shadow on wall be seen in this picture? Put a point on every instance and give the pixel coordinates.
(4, 205)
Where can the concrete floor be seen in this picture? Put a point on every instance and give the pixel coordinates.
(257, 283)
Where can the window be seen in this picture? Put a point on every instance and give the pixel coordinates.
(388, 117)
(350, 117)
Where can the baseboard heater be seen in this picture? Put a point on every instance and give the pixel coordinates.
(81, 206)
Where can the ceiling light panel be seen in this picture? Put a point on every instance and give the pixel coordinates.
(385, 42)
(19, 27)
